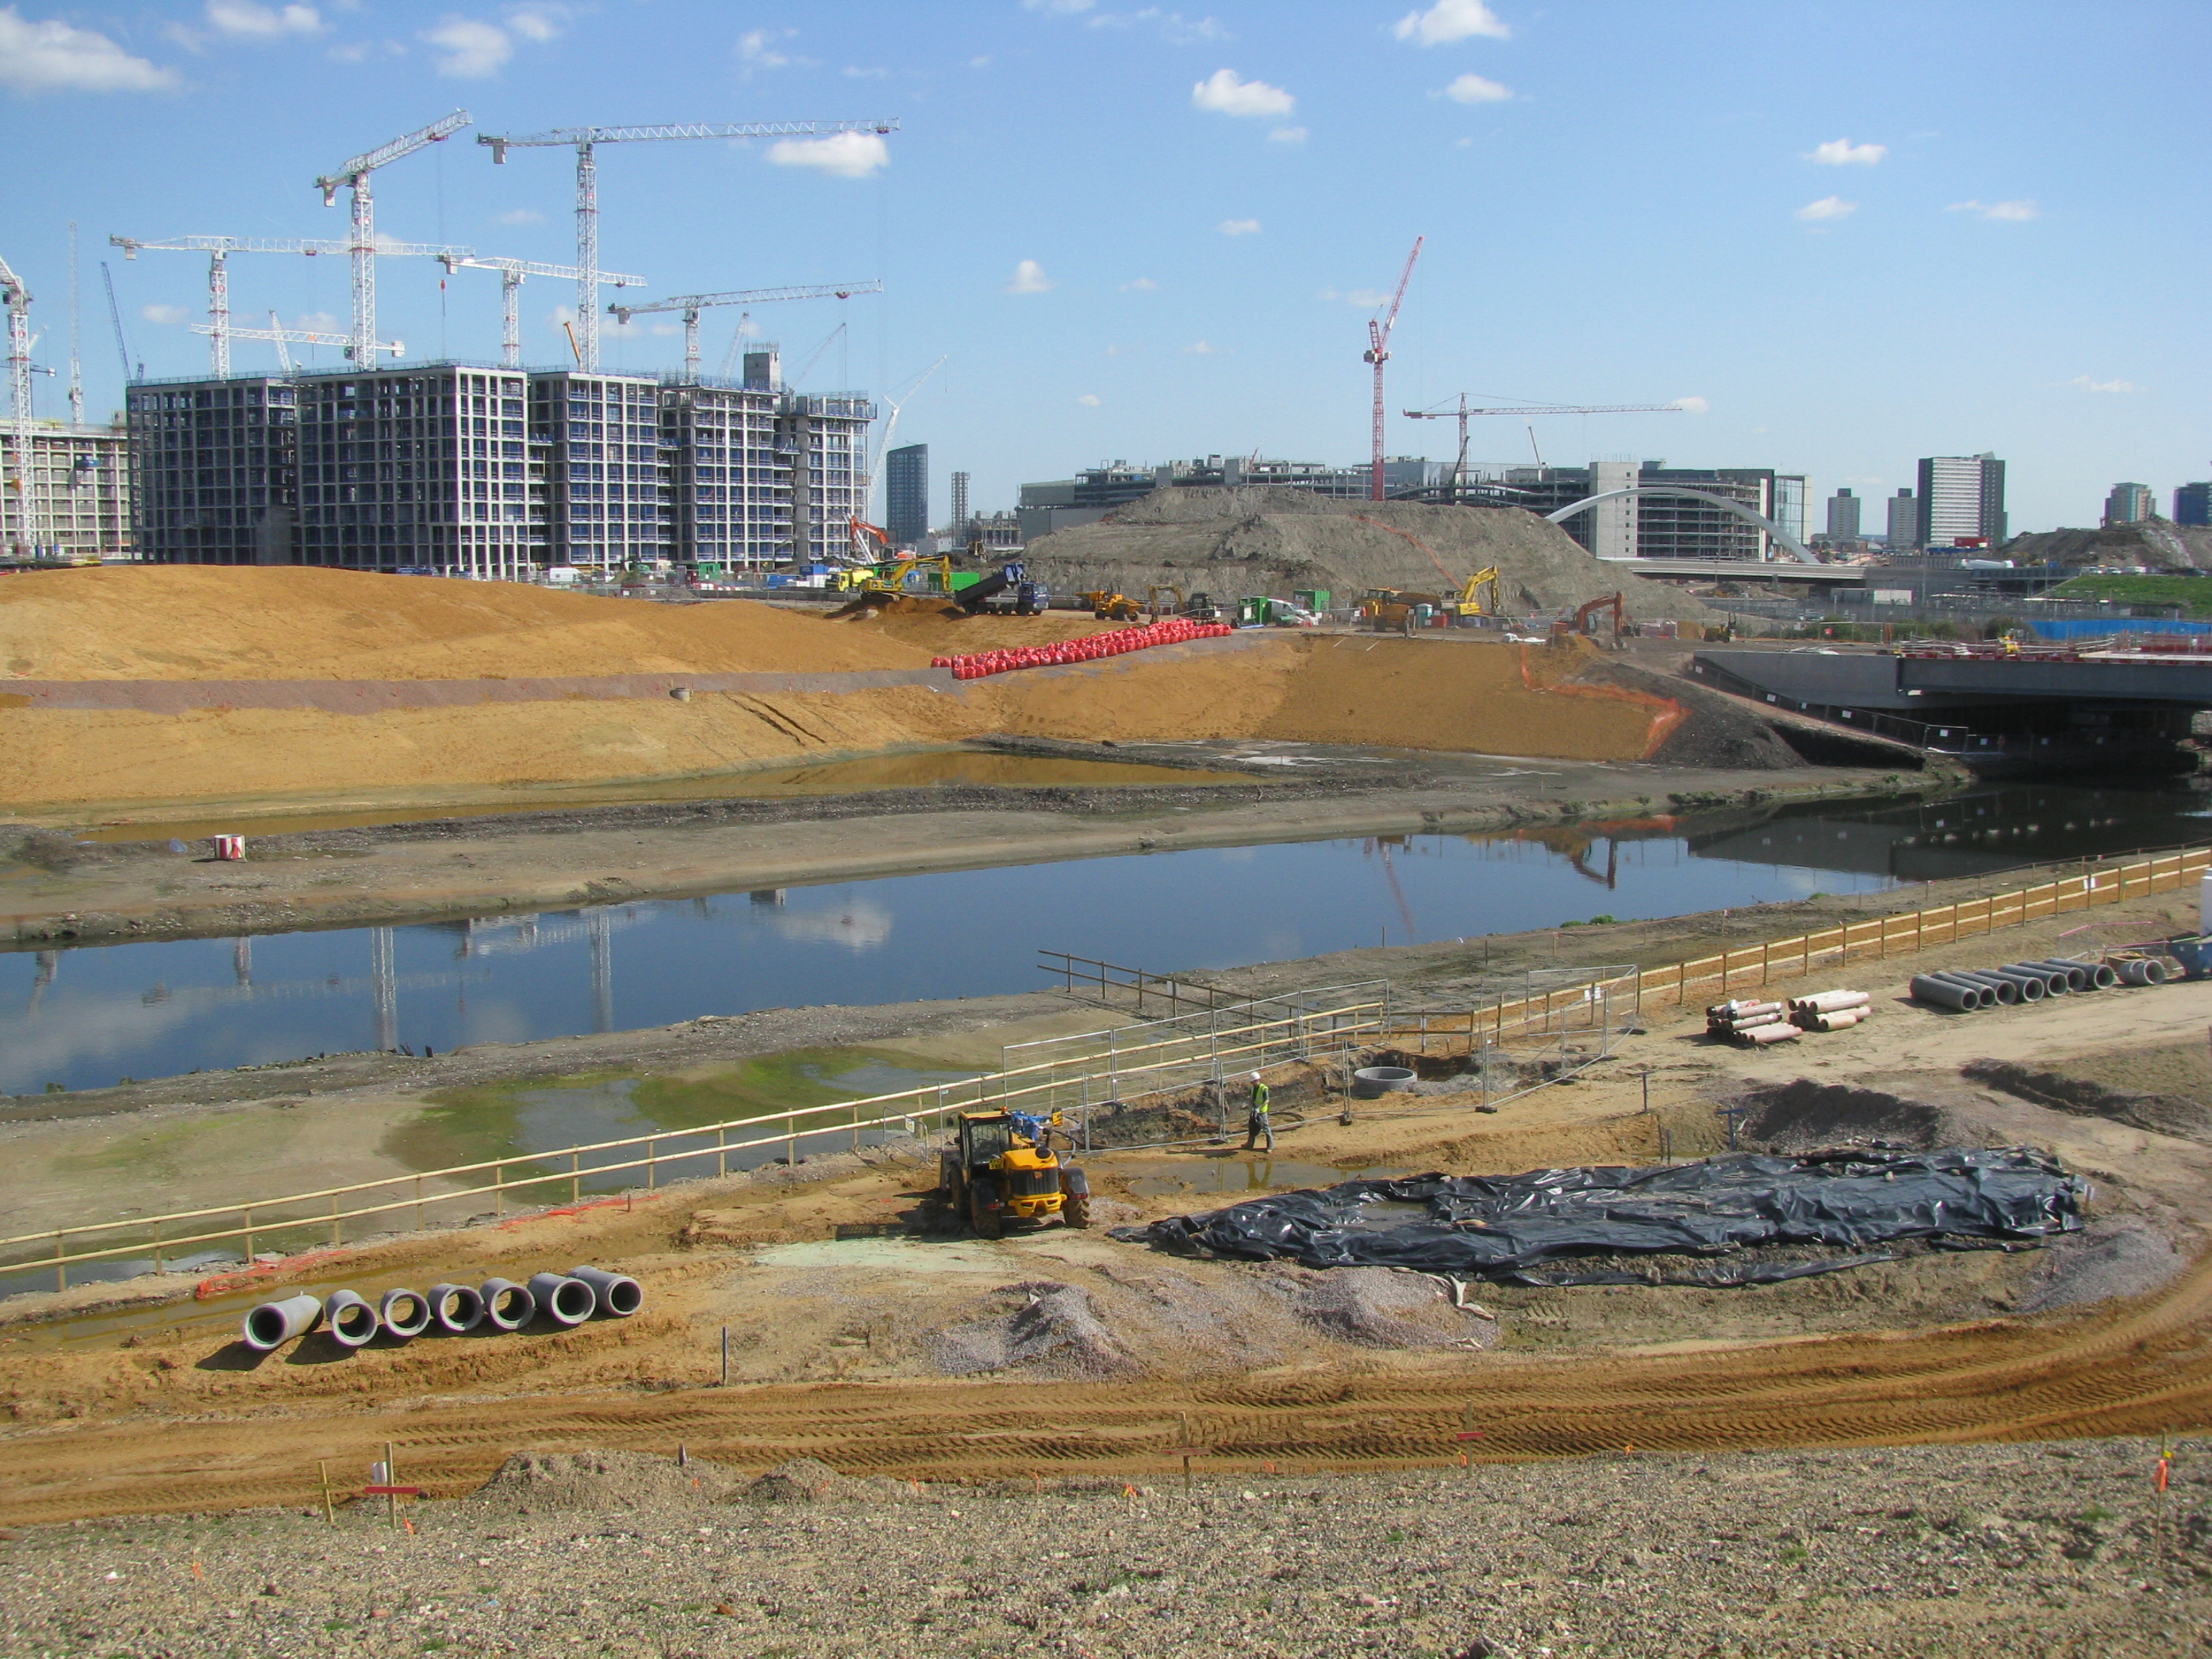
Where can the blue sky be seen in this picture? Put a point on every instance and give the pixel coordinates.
(1858, 233)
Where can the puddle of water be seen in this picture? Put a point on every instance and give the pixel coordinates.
(863, 1081)
(932, 769)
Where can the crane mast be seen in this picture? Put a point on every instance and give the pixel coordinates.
(1378, 353)
(354, 175)
(587, 140)
(1465, 411)
(17, 298)
(77, 366)
(692, 304)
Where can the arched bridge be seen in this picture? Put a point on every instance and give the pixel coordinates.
(1797, 550)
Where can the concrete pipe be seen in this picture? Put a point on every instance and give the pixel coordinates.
(458, 1309)
(1829, 1002)
(273, 1324)
(2056, 981)
(1969, 998)
(405, 1314)
(2080, 975)
(2033, 987)
(619, 1296)
(508, 1305)
(1372, 1082)
(563, 1300)
(1840, 1019)
(2102, 977)
(349, 1318)
(2143, 971)
(2000, 992)
(1759, 1036)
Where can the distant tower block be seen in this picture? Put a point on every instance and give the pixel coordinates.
(906, 494)
(1843, 516)
(1904, 522)
(960, 505)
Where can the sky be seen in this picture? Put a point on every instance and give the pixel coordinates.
(1842, 235)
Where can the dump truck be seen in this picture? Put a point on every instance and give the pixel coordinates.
(1000, 1168)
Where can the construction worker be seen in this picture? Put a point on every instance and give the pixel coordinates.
(1256, 1124)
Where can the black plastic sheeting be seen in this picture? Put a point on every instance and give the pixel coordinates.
(1512, 1227)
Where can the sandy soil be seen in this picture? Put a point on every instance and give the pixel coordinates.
(862, 1350)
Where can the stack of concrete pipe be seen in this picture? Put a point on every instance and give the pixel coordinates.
(565, 1301)
(1830, 1010)
(2031, 981)
(1750, 1022)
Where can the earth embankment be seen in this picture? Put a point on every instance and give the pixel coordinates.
(1230, 543)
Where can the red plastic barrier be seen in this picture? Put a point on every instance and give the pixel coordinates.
(1174, 630)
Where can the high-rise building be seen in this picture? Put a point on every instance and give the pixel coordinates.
(906, 495)
(1904, 522)
(469, 469)
(1961, 498)
(77, 491)
(959, 524)
(2129, 503)
(1613, 525)
(1843, 515)
(2192, 504)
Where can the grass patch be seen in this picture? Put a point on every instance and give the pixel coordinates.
(2192, 593)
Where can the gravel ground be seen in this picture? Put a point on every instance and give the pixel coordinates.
(2017, 1550)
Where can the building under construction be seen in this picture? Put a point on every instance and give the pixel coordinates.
(74, 500)
(476, 469)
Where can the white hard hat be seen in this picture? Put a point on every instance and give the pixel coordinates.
(1255, 1077)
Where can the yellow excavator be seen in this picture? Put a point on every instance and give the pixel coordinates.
(1469, 600)
(1000, 1167)
(1106, 606)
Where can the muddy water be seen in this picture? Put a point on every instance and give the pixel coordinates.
(930, 769)
(87, 1018)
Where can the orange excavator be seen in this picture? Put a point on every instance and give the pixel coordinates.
(1588, 613)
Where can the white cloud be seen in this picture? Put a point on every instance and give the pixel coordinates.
(1828, 206)
(2013, 211)
(1843, 152)
(469, 50)
(1451, 20)
(1691, 406)
(1139, 285)
(1238, 227)
(1029, 278)
(538, 23)
(1057, 8)
(521, 217)
(53, 57)
(1474, 89)
(252, 21)
(1287, 135)
(668, 328)
(1175, 27)
(756, 49)
(843, 155)
(359, 51)
(1225, 93)
(984, 62)
(169, 314)
(864, 74)
(2088, 384)
(1200, 349)
(1089, 400)
(315, 322)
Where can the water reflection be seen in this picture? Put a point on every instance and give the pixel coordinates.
(85, 1018)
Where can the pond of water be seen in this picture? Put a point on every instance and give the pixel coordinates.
(90, 1017)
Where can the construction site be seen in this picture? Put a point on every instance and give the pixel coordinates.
(694, 1226)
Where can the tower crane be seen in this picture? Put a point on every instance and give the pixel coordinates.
(115, 317)
(586, 142)
(511, 273)
(1378, 353)
(219, 250)
(283, 335)
(692, 304)
(1464, 413)
(354, 174)
(17, 298)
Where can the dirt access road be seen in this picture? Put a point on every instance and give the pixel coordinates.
(155, 1410)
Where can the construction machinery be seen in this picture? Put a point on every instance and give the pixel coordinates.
(1388, 608)
(1000, 1167)
(1107, 606)
(1377, 355)
(1173, 607)
(1469, 600)
(353, 175)
(1587, 614)
(1006, 591)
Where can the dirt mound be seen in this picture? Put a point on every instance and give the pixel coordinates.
(210, 622)
(809, 1481)
(2164, 1114)
(1383, 1307)
(2155, 542)
(2106, 1259)
(1053, 1328)
(1805, 1116)
(536, 1482)
(1230, 543)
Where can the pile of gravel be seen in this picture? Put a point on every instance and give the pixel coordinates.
(1383, 1307)
(1984, 1552)
(1041, 1327)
